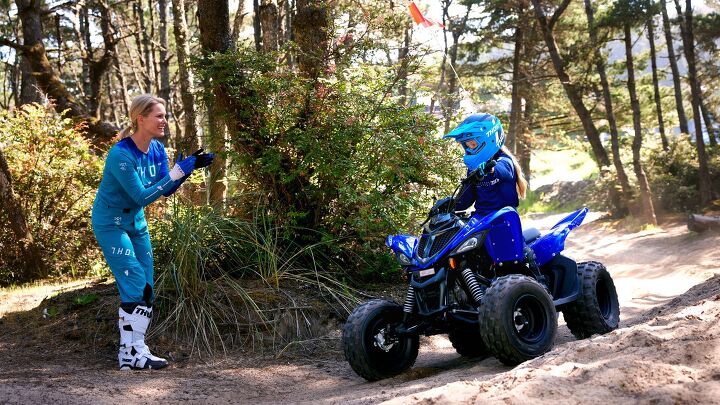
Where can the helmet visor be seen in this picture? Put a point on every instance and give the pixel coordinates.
(472, 146)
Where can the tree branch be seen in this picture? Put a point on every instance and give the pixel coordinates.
(12, 44)
(556, 16)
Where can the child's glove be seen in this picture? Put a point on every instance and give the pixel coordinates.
(483, 170)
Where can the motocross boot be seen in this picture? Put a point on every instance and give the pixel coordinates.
(134, 353)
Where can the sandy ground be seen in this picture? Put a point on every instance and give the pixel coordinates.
(667, 350)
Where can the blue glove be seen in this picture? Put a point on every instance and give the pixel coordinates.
(183, 167)
(203, 159)
(483, 170)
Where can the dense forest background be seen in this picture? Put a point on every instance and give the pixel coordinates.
(327, 117)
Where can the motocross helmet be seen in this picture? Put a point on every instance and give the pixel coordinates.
(486, 130)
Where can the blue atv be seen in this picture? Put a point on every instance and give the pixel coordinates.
(472, 277)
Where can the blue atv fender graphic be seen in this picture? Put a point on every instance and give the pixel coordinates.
(504, 239)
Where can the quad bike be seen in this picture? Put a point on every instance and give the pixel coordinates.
(473, 278)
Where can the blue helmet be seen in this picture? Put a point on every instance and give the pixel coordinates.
(486, 130)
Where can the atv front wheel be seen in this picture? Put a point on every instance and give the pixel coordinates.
(597, 309)
(518, 321)
(468, 342)
(370, 344)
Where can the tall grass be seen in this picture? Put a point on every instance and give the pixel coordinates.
(226, 281)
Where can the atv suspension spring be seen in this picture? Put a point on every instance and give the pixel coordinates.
(472, 284)
(409, 305)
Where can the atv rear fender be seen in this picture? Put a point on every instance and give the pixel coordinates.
(551, 244)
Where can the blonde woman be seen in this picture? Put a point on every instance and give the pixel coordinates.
(136, 174)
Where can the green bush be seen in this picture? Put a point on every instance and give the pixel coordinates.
(340, 155)
(674, 175)
(54, 176)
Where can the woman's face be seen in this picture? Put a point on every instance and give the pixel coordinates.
(471, 144)
(153, 123)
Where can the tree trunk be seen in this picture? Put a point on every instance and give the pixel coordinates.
(31, 256)
(686, 28)
(98, 68)
(98, 132)
(31, 29)
(516, 99)
(144, 47)
(647, 210)
(237, 22)
(524, 139)
(256, 25)
(189, 141)
(311, 31)
(708, 125)
(571, 90)
(682, 119)
(403, 53)
(269, 26)
(609, 110)
(214, 24)
(656, 85)
(164, 91)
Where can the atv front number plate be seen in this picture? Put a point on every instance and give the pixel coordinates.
(427, 272)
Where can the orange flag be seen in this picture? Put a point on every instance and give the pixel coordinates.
(419, 18)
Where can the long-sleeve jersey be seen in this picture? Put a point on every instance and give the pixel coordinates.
(133, 179)
(494, 191)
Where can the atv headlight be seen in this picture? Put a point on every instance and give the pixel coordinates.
(404, 260)
(470, 244)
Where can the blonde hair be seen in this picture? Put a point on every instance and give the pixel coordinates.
(520, 182)
(141, 105)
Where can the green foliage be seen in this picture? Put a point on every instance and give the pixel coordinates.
(204, 264)
(55, 177)
(674, 174)
(85, 299)
(340, 156)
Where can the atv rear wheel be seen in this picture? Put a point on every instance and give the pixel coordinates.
(518, 321)
(468, 342)
(371, 347)
(597, 309)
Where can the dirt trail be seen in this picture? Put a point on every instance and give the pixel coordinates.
(669, 354)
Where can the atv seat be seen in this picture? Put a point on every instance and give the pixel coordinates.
(530, 234)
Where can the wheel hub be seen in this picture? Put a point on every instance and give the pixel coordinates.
(520, 320)
(382, 343)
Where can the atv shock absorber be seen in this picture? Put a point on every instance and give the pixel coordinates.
(472, 285)
(409, 305)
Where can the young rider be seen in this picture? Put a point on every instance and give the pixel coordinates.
(495, 177)
(136, 174)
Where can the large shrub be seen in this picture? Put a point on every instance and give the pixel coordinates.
(54, 177)
(674, 175)
(339, 155)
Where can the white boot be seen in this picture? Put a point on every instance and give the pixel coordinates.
(134, 354)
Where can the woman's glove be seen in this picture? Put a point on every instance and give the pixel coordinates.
(203, 159)
(183, 167)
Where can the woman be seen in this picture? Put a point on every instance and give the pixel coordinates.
(136, 174)
(499, 178)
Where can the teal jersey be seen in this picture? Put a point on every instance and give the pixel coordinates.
(133, 179)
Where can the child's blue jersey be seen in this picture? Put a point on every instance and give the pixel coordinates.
(494, 191)
(133, 179)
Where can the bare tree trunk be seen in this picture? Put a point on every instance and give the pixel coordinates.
(311, 32)
(144, 46)
(524, 138)
(457, 31)
(214, 24)
(403, 53)
(189, 140)
(686, 28)
(256, 25)
(682, 119)
(86, 45)
(164, 91)
(30, 253)
(647, 211)
(516, 98)
(269, 26)
(656, 85)
(609, 110)
(237, 22)
(708, 124)
(31, 28)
